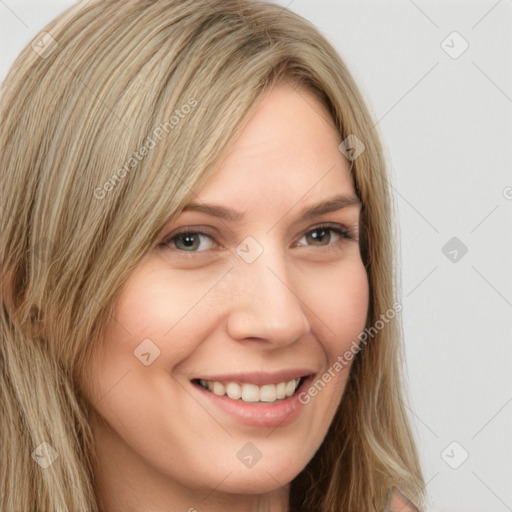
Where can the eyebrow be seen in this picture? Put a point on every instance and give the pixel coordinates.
(331, 205)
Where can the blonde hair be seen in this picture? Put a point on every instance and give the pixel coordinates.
(81, 209)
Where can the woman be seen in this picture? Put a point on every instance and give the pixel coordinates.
(197, 262)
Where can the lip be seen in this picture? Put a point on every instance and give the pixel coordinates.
(278, 414)
(258, 378)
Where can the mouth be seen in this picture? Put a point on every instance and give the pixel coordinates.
(256, 399)
(250, 392)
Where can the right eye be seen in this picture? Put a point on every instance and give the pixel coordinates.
(190, 241)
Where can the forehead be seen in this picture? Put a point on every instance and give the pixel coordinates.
(287, 151)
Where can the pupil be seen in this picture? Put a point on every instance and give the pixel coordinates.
(189, 240)
(318, 234)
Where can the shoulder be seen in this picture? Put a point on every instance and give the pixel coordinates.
(397, 501)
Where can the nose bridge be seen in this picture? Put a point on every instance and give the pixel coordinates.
(267, 305)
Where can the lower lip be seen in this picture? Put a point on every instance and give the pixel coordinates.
(272, 415)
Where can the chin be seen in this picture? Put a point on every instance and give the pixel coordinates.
(261, 481)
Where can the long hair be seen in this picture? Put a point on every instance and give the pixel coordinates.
(84, 202)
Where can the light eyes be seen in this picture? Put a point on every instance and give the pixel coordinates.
(193, 241)
(323, 235)
(190, 241)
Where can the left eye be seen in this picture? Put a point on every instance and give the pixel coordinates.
(323, 235)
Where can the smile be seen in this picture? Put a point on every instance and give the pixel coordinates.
(257, 399)
(251, 393)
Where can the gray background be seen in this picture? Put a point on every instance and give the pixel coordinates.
(446, 121)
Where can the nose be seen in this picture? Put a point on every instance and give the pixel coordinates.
(266, 305)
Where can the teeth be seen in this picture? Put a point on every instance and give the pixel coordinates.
(219, 388)
(290, 388)
(281, 390)
(268, 393)
(250, 392)
(234, 390)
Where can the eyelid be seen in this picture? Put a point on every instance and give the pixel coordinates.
(199, 230)
(350, 229)
(348, 232)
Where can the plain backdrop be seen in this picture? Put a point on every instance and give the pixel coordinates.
(438, 78)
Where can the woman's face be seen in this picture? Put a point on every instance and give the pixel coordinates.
(257, 298)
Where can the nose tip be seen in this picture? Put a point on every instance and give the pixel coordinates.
(269, 309)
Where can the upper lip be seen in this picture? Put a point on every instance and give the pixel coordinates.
(259, 378)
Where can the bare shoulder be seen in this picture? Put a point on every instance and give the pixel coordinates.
(397, 501)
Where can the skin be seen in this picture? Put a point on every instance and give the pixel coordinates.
(163, 446)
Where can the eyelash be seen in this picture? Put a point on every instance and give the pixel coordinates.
(343, 232)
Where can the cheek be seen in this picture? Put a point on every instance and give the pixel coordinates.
(352, 312)
(157, 305)
(153, 307)
(341, 303)
(158, 301)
